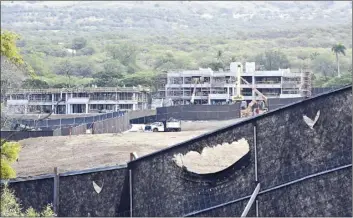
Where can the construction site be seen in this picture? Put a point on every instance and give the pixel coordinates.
(251, 159)
(205, 86)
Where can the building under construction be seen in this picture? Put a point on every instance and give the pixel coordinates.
(205, 86)
(77, 100)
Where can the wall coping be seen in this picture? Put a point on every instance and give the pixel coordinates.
(69, 173)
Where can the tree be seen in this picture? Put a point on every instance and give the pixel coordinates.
(303, 56)
(324, 66)
(125, 53)
(87, 51)
(35, 84)
(314, 55)
(338, 49)
(13, 68)
(65, 68)
(111, 75)
(143, 78)
(9, 48)
(107, 79)
(9, 154)
(37, 63)
(345, 79)
(114, 67)
(219, 56)
(272, 60)
(78, 43)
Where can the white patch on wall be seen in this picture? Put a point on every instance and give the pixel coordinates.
(311, 123)
(97, 188)
(213, 159)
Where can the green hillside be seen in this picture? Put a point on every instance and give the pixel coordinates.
(129, 43)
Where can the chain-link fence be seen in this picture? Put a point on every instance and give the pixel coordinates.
(68, 122)
(119, 124)
(111, 125)
(114, 125)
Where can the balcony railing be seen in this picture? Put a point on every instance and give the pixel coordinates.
(87, 89)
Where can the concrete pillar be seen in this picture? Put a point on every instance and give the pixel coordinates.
(133, 106)
(67, 105)
(52, 103)
(253, 86)
(86, 108)
(281, 85)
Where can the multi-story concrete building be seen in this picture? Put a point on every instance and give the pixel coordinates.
(77, 100)
(218, 87)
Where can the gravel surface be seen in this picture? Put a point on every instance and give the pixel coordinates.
(41, 155)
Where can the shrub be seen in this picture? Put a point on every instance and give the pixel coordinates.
(11, 208)
(9, 154)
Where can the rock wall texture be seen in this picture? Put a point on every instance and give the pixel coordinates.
(34, 193)
(79, 198)
(287, 149)
(77, 195)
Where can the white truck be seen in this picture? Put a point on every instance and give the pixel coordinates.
(165, 126)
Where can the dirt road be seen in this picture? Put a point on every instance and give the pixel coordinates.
(41, 155)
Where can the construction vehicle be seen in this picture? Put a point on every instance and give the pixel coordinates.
(249, 110)
(196, 81)
(171, 125)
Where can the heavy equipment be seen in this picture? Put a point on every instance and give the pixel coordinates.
(196, 81)
(254, 107)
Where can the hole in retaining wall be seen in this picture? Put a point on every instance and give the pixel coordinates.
(97, 188)
(311, 122)
(213, 159)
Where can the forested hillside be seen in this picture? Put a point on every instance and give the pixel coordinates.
(128, 43)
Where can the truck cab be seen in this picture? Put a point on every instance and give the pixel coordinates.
(171, 125)
(157, 127)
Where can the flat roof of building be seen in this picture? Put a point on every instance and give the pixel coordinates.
(75, 90)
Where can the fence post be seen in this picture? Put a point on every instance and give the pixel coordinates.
(116, 124)
(56, 191)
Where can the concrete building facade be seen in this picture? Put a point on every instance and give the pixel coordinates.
(77, 100)
(218, 87)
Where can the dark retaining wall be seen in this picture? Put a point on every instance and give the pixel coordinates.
(274, 103)
(19, 135)
(36, 193)
(77, 196)
(194, 112)
(287, 150)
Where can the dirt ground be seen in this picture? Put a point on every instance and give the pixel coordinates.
(41, 155)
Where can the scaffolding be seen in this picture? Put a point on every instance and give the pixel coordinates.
(306, 83)
(291, 83)
(175, 90)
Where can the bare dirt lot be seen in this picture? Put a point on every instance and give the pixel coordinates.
(41, 155)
